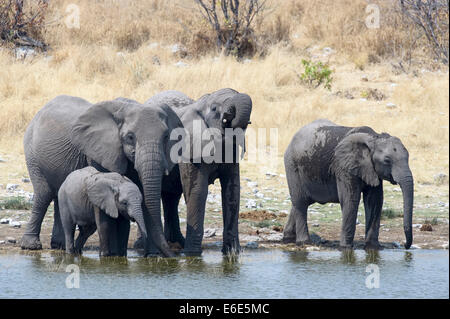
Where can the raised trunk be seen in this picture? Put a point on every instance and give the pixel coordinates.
(406, 182)
(243, 104)
(150, 173)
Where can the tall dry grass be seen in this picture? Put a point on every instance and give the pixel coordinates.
(123, 48)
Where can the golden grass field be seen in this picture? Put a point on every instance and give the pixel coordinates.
(113, 54)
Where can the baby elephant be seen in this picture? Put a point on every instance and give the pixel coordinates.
(328, 163)
(92, 200)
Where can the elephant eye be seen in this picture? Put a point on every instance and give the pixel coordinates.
(129, 138)
(124, 202)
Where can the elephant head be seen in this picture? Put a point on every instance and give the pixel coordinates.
(115, 194)
(219, 113)
(376, 157)
(122, 134)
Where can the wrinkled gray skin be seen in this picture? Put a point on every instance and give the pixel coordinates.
(88, 198)
(222, 109)
(120, 136)
(327, 163)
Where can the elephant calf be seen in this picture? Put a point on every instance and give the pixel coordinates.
(327, 163)
(88, 198)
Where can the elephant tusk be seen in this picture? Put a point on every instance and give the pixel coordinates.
(166, 172)
(224, 120)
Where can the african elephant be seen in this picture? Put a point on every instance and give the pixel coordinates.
(121, 136)
(217, 113)
(328, 163)
(88, 198)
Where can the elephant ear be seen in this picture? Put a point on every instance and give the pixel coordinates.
(101, 193)
(352, 156)
(96, 134)
(172, 122)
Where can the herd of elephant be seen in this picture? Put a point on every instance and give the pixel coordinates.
(108, 163)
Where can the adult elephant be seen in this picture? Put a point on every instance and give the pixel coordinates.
(328, 163)
(213, 116)
(120, 136)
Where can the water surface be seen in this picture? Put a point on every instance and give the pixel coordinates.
(255, 274)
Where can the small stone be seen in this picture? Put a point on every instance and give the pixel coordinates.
(2, 242)
(445, 246)
(209, 232)
(416, 225)
(251, 245)
(11, 240)
(11, 187)
(391, 105)
(316, 225)
(396, 244)
(15, 224)
(365, 78)
(275, 237)
(5, 220)
(415, 247)
(181, 64)
(271, 174)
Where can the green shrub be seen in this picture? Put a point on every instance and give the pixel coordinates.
(390, 214)
(16, 203)
(316, 73)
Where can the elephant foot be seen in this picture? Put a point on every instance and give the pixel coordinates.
(373, 246)
(345, 247)
(57, 244)
(302, 241)
(288, 239)
(139, 243)
(192, 253)
(230, 251)
(31, 242)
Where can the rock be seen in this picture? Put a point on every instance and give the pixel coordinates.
(15, 224)
(11, 240)
(251, 245)
(391, 105)
(25, 180)
(415, 247)
(181, 64)
(426, 227)
(274, 237)
(209, 232)
(445, 246)
(252, 184)
(277, 228)
(22, 53)
(11, 187)
(315, 225)
(251, 203)
(416, 225)
(312, 248)
(365, 78)
(2, 242)
(250, 238)
(2, 160)
(271, 174)
(440, 179)
(5, 220)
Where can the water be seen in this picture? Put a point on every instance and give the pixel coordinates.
(255, 274)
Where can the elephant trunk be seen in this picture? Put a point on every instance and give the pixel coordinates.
(243, 105)
(137, 215)
(406, 182)
(150, 172)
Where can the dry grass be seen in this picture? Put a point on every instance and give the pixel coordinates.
(113, 54)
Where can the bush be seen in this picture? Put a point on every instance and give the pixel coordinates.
(390, 214)
(16, 203)
(316, 74)
(22, 22)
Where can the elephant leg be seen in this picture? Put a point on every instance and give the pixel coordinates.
(195, 189)
(296, 229)
(123, 233)
(107, 232)
(172, 230)
(85, 232)
(349, 198)
(373, 204)
(69, 233)
(230, 183)
(57, 240)
(43, 196)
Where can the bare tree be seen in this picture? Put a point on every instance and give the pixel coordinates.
(18, 21)
(231, 21)
(432, 17)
